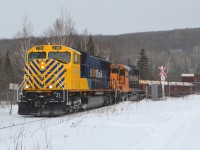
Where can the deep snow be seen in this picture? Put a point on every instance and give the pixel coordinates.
(172, 124)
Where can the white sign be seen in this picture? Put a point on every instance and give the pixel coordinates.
(13, 86)
(163, 74)
(96, 73)
(162, 71)
(16, 86)
(162, 78)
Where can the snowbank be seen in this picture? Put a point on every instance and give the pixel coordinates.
(172, 124)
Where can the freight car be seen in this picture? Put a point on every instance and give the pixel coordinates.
(172, 89)
(59, 79)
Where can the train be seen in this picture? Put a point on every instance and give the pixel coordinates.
(59, 79)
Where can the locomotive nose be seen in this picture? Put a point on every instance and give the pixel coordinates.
(42, 64)
(45, 74)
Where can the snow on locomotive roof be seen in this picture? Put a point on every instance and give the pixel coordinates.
(127, 67)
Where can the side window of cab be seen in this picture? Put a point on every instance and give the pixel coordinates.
(76, 58)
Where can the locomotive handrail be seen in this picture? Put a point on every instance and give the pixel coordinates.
(21, 85)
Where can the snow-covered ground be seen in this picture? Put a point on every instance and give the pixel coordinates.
(172, 124)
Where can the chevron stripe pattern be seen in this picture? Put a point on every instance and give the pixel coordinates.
(51, 73)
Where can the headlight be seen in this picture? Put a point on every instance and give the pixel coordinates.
(27, 86)
(42, 67)
(50, 86)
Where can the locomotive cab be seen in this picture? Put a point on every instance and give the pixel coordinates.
(51, 67)
(119, 77)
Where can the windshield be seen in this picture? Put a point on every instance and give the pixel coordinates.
(62, 56)
(36, 55)
(115, 71)
(122, 72)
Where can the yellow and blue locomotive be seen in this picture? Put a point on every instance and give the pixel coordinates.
(60, 79)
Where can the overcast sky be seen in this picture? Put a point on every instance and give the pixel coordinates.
(101, 16)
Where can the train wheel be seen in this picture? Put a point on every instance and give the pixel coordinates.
(126, 98)
(108, 100)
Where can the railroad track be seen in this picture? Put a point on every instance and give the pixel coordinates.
(69, 115)
(18, 124)
(42, 119)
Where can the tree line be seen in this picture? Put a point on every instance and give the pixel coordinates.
(177, 49)
(61, 32)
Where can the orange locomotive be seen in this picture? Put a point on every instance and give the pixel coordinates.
(124, 79)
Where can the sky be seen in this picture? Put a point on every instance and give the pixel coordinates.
(107, 17)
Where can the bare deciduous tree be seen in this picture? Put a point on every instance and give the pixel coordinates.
(107, 51)
(1, 73)
(23, 42)
(191, 63)
(62, 31)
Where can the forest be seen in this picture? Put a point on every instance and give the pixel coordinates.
(178, 49)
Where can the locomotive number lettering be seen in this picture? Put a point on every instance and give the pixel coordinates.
(95, 73)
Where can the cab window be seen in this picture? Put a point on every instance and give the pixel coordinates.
(115, 71)
(122, 72)
(36, 55)
(76, 59)
(60, 56)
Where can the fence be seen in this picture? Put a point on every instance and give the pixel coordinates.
(8, 97)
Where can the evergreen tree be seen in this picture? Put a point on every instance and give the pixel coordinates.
(79, 45)
(8, 74)
(129, 62)
(1, 74)
(143, 66)
(91, 46)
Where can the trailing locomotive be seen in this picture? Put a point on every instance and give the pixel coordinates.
(60, 79)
